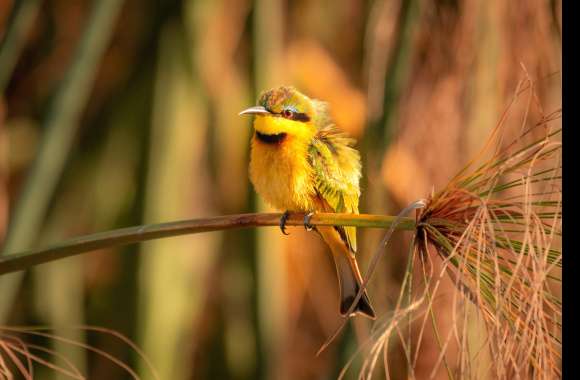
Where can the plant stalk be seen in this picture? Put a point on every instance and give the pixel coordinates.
(60, 127)
(114, 238)
(20, 22)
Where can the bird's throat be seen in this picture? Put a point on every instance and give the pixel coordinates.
(271, 139)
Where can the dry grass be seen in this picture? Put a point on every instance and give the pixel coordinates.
(494, 231)
(19, 358)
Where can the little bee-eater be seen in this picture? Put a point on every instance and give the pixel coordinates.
(300, 162)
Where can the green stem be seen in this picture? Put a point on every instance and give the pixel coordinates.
(82, 244)
(20, 22)
(60, 126)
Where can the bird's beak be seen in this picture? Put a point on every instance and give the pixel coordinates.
(256, 110)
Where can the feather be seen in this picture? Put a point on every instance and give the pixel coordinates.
(336, 174)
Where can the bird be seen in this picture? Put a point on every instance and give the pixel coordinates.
(300, 161)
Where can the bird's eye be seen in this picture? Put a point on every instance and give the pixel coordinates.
(287, 113)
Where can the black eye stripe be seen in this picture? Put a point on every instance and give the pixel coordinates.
(297, 116)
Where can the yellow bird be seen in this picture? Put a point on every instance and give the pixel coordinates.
(300, 162)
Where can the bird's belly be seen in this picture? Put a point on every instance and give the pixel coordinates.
(281, 175)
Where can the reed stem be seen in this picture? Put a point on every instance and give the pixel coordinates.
(114, 238)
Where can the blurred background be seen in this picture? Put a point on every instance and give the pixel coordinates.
(117, 113)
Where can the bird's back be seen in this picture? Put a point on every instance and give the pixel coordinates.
(336, 171)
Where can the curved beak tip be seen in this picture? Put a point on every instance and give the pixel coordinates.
(256, 110)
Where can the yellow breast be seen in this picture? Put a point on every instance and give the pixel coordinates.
(281, 174)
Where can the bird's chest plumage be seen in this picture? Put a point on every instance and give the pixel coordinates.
(281, 174)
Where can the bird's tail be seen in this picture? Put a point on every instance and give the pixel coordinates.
(349, 277)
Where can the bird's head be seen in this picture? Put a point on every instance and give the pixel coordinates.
(284, 111)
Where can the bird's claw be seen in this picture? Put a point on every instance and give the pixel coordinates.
(283, 220)
(307, 225)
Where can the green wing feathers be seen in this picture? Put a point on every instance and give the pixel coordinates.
(337, 171)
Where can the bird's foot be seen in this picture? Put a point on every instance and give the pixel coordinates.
(283, 220)
(307, 225)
